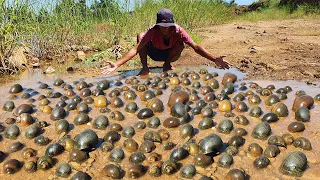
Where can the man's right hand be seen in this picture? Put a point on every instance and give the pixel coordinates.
(109, 68)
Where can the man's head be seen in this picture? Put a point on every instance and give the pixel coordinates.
(165, 18)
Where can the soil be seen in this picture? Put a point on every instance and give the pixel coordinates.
(269, 50)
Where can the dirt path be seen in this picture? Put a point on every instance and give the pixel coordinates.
(273, 50)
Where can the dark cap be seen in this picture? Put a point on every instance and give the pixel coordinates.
(165, 18)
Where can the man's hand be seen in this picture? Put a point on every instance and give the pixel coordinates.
(222, 64)
(110, 67)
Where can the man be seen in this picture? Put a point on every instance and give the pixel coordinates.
(163, 42)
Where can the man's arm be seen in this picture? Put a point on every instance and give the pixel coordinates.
(204, 53)
(110, 66)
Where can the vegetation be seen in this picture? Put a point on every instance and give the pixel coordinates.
(51, 29)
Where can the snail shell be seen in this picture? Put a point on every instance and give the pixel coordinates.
(261, 162)
(302, 143)
(63, 170)
(277, 140)
(11, 166)
(44, 162)
(155, 169)
(188, 171)
(31, 164)
(294, 164)
(113, 171)
(225, 160)
(137, 158)
(169, 167)
(78, 156)
(271, 151)
(136, 171)
(255, 149)
(236, 174)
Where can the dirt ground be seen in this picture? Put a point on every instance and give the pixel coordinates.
(269, 50)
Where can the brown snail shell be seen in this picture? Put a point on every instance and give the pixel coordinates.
(100, 101)
(255, 149)
(261, 162)
(113, 171)
(45, 109)
(169, 167)
(236, 174)
(136, 171)
(23, 108)
(155, 169)
(69, 93)
(31, 164)
(116, 127)
(171, 122)
(15, 146)
(112, 136)
(202, 160)
(241, 106)
(302, 101)
(155, 104)
(147, 146)
(26, 119)
(28, 152)
(164, 134)
(11, 166)
(152, 136)
(225, 106)
(272, 99)
(78, 156)
(254, 99)
(147, 95)
(302, 143)
(280, 109)
(178, 96)
(271, 151)
(153, 157)
(16, 88)
(45, 162)
(130, 145)
(69, 144)
(116, 102)
(296, 127)
(130, 95)
(145, 113)
(106, 146)
(288, 138)
(277, 140)
(240, 131)
(241, 119)
(229, 77)
(117, 116)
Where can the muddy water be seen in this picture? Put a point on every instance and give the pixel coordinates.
(99, 159)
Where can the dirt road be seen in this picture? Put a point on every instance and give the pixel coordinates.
(272, 50)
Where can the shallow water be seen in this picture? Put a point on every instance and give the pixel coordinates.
(241, 160)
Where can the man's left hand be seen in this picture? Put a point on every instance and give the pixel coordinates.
(222, 64)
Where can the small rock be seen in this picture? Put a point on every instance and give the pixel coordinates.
(70, 68)
(49, 70)
(81, 55)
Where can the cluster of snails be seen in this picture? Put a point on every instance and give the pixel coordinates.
(191, 95)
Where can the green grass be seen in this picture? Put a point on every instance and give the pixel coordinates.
(49, 29)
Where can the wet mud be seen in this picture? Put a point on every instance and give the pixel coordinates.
(98, 159)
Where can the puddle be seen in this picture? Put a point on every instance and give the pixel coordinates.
(242, 160)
